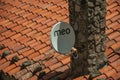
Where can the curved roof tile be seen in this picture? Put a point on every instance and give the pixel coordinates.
(24, 30)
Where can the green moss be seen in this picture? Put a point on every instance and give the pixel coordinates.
(2, 47)
(42, 73)
(14, 59)
(101, 79)
(27, 63)
(5, 53)
(37, 69)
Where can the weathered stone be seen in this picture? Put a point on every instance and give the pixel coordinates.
(97, 30)
(98, 48)
(90, 46)
(102, 15)
(90, 4)
(77, 8)
(94, 30)
(89, 14)
(90, 37)
(76, 26)
(91, 56)
(100, 1)
(102, 24)
(82, 38)
(97, 39)
(97, 3)
(83, 2)
(96, 12)
(90, 11)
(95, 18)
(96, 23)
(86, 20)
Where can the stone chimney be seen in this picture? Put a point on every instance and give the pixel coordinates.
(88, 20)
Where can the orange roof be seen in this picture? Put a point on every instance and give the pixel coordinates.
(24, 31)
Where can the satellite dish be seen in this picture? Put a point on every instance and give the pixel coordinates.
(62, 37)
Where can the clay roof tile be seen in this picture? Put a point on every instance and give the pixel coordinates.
(25, 29)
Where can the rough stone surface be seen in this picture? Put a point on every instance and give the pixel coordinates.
(88, 21)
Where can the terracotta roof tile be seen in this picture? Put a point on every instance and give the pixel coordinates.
(9, 68)
(109, 43)
(62, 69)
(113, 24)
(26, 76)
(114, 58)
(109, 31)
(116, 17)
(117, 68)
(53, 67)
(13, 71)
(2, 38)
(111, 73)
(33, 78)
(26, 53)
(21, 61)
(113, 35)
(25, 29)
(33, 66)
(116, 46)
(8, 33)
(47, 70)
(112, 6)
(23, 50)
(18, 28)
(50, 62)
(100, 77)
(108, 22)
(16, 36)
(106, 69)
(2, 29)
(4, 65)
(115, 63)
(109, 2)
(112, 15)
(9, 57)
(2, 61)
(50, 75)
(63, 75)
(31, 56)
(40, 57)
(39, 46)
(60, 57)
(117, 39)
(80, 78)
(31, 33)
(45, 49)
(30, 42)
(20, 73)
(65, 60)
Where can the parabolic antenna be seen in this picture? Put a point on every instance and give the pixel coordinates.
(62, 37)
